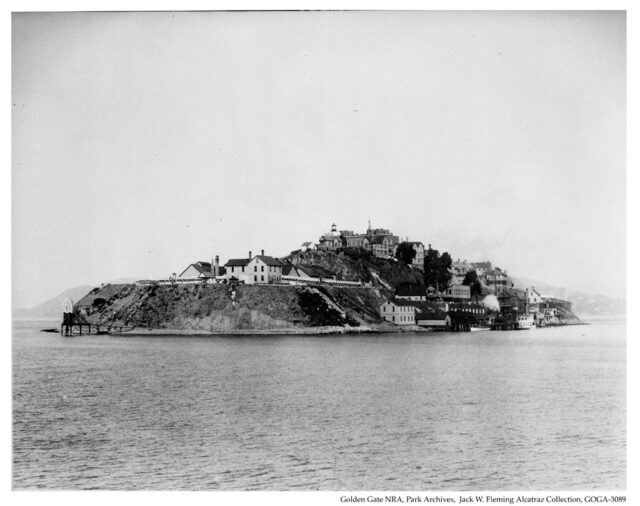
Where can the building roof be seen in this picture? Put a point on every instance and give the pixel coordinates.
(201, 267)
(379, 239)
(306, 244)
(269, 260)
(287, 268)
(481, 265)
(433, 314)
(237, 262)
(399, 302)
(512, 292)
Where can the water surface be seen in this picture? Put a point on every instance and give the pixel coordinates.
(530, 410)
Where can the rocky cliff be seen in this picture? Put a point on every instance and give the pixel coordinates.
(210, 309)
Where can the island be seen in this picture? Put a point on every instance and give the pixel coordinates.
(344, 283)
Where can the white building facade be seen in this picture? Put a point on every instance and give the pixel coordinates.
(396, 312)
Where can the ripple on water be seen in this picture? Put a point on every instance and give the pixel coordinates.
(456, 412)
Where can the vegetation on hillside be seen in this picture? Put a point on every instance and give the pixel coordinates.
(211, 307)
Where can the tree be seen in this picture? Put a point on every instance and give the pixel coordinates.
(471, 280)
(436, 268)
(405, 252)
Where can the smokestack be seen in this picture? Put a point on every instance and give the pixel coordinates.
(249, 254)
(216, 266)
(262, 252)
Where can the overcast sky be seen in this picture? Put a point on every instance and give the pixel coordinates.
(145, 141)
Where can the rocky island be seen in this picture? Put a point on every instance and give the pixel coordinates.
(319, 290)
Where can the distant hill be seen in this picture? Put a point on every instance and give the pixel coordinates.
(583, 304)
(52, 308)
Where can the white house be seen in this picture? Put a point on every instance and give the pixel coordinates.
(398, 312)
(237, 268)
(264, 269)
(418, 261)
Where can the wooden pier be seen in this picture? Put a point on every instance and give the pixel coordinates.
(75, 322)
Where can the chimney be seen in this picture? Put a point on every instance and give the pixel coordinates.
(249, 255)
(216, 266)
(262, 252)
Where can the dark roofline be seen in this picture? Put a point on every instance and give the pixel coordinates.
(237, 262)
(269, 260)
(197, 266)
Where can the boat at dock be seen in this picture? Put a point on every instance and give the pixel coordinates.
(525, 322)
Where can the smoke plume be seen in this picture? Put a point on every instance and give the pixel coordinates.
(491, 303)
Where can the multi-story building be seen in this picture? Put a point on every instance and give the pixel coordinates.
(496, 278)
(513, 300)
(381, 246)
(459, 270)
(236, 269)
(264, 269)
(400, 312)
(458, 292)
(379, 241)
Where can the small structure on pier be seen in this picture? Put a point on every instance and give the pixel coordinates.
(72, 319)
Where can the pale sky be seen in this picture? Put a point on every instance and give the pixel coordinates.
(142, 142)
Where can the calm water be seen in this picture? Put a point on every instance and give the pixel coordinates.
(539, 409)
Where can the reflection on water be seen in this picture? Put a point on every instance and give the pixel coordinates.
(539, 409)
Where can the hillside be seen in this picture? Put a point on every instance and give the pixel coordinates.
(210, 309)
(359, 265)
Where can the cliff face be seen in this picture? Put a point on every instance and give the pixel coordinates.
(357, 265)
(209, 308)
